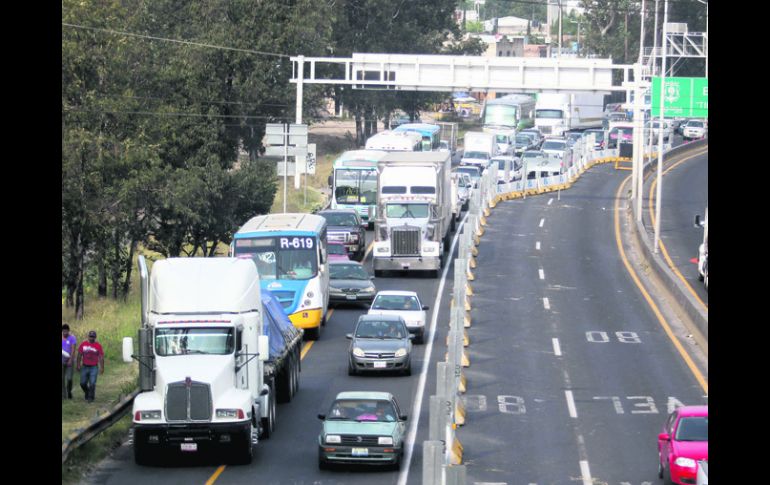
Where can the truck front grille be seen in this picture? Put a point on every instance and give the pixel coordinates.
(188, 402)
(405, 241)
(546, 130)
(358, 440)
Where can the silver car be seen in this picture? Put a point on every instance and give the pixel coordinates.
(380, 343)
(405, 304)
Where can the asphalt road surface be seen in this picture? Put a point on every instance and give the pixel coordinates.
(571, 374)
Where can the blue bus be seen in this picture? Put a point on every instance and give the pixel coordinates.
(431, 134)
(290, 253)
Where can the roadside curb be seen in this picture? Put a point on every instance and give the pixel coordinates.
(681, 294)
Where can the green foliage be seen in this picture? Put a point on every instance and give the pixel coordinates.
(474, 26)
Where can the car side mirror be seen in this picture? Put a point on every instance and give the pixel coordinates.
(349, 336)
(664, 437)
(403, 417)
(425, 307)
(321, 417)
(410, 336)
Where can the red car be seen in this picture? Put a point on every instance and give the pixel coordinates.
(683, 442)
(337, 251)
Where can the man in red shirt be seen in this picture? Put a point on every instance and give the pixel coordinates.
(90, 354)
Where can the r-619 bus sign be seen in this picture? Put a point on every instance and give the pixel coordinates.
(296, 242)
(684, 97)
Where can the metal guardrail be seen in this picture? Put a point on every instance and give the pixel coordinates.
(83, 435)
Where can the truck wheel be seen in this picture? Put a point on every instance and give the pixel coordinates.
(243, 452)
(268, 423)
(284, 384)
(141, 454)
(295, 382)
(313, 333)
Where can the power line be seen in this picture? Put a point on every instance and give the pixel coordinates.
(187, 42)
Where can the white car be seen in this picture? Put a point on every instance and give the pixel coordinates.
(558, 147)
(515, 168)
(405, 304)
(654, 125)
(695, 129)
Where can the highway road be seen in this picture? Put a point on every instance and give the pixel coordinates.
(685, 194)
(290, 455)
(571, 374)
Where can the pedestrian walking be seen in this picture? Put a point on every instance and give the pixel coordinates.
(68, 347)
(90, 355)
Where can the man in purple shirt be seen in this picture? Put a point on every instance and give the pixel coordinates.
(68, 346)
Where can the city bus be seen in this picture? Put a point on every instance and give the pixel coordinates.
(290, 253)
(431, 134)
(391, 141)
(514, 111)
(354, 182)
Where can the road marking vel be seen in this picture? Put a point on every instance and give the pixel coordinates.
(556, 347)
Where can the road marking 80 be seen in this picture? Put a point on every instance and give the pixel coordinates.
(597, 336)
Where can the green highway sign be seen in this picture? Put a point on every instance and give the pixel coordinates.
(683, 97)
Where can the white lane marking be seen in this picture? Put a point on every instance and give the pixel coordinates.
(550, 201)
(546, 304)
(537, 246)
(403, 475)
(542, 221)
(586, 472)
(571, 404)
(556, 347)
(541, 273)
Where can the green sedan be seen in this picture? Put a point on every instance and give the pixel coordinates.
(362, 427)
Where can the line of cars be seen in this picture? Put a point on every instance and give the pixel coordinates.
(366, 427)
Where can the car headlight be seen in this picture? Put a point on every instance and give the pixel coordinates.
(153, 414)
(415, 323)
(429, 249)
(331, 288)
(385, 440)
(400, 352)
(354, 238)
(230, 413)
(369, 289)
(333, 438)
(382, 249)
(685, 462)
(358, 352)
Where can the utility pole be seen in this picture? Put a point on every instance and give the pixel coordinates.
(659, 190)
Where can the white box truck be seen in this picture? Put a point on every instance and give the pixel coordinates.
(479, 148)
(556, 113)
(414, 212)
(211, 369)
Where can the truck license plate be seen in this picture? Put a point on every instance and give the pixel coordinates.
(380, 365)
(350, 297)
(189, 446)
(360, 451)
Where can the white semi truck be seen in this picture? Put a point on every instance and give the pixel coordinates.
(556, 113)
(414, 212)
(213, 359)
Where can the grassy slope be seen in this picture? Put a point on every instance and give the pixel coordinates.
(114, 320)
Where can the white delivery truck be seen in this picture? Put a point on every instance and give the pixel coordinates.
(211, 369)
(556, 113)
(504, 137)
(414, 212)
(478, 149)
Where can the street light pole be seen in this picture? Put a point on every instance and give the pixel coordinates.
(659, 191)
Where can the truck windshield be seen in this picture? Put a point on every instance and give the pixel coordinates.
(500, 115)
(476, 155)
(355, 186)
(407, 211)
(281, 258)
(555, 114)
(185, 341)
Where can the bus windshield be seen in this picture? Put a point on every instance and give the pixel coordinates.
(184, 341)
(500, 115)
(355, 186)
(281, 257)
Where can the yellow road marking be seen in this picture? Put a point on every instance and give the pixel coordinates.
(688, 360)
(215, 475)
(660, 241)
(305, 349)
(368, 250)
